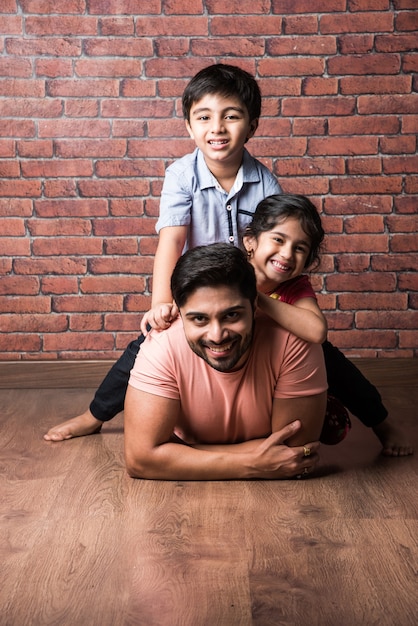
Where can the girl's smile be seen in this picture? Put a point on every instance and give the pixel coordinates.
(279, 254)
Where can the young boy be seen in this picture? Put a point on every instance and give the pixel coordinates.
(208, 196)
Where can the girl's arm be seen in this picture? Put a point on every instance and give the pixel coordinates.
(304, 318)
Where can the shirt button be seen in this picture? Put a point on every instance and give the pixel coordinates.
(228, 207)
(231, 239)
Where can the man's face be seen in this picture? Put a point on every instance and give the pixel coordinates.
(218, 324)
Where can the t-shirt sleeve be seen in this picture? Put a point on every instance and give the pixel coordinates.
(154, 370)
(302, 371)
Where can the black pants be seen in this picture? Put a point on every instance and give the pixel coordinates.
(345, 382)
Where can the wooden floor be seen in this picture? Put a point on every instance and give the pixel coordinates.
(82, 544)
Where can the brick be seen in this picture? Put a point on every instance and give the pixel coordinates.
(15, 247)
(7, 148)
(286, 146)
(133, 167)
(140, 108)
(10, 285)
(340, 321)
(35, 148)
(38, 323)
(60, 246)
(137, 303)
(53, 68)
(127, 47)
(180, 26)
(363, 125)
(117, 26)
(122, 322)
(309, 167)
(121, 245)
(51, 265)
(87, 303)
(121, 226)
(308, 107)
(31, 107)
(132, 87)
(357, 243)
(277, 86)
(407, 20)
(59, 285)
(388, 104)
(85, 108)
(120, 265)
(57, 188)
(300, 24)
(398, 145)
(404, 243)
(77, 341)
(234, 7)
(126, 207)
(400, 165)
(396, 43)
(19, 343)
(356, 22)
(368, 5)
(20, 188)
(395, 263)
(362, 339)
(239, 46)
(74, 128)
(13, 227)
(98, 88)
(315, 86)
(168, 128)
(110, 285)
(408, 339)
(5, 266)
(308, 6)
(291, 67)
(365, 64)
(22, 88)
(129, 7)
(15, 206)
(9, 169)
(38, 46)
(8, 6)
(88, 322)
(54, 168)
(71, 208)
(342, 145)
(14, 128)
(366, 185)
(307, 186)
(108, 67)
(408, 282)
(410, 63)
(375, 84)
(364, 224)
(308, 45)
(110, 188)
(355, 44)
(128, 128)
(353, 263)
(25, 304)
(52, 6)
(373, 301)
(172, 47)
(61, 25)
(366, 166)
(11, 24)
(406, 204)
(20, 68)
(387, 319)
(309, 127)
(90, 148)
(151, 148)
(411, 184)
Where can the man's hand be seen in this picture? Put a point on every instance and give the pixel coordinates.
(159, 317)
(273, 459)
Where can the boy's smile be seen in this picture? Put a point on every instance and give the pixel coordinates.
(220, 126)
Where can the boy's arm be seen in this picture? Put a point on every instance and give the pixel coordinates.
(304, 318)
(169, 249)
(150, 451)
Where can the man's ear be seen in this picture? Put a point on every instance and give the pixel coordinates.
(189, 129)
(253, 128)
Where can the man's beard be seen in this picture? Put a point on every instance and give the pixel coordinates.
(227, 363)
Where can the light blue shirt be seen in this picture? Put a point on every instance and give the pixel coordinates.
(191, 196)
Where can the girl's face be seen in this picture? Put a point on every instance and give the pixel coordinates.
(278, 254)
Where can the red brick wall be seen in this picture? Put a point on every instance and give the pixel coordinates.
(90, 117)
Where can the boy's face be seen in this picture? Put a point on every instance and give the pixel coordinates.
(220, 126)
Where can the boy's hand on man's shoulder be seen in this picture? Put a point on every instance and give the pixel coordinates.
(159, 317)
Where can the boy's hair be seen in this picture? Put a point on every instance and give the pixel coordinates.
(225, 80)
(218, 264)
(275, 209)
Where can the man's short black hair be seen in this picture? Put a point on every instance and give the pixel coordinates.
(218, 264)
(225, 80)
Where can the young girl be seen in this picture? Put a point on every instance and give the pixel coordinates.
(282, 241)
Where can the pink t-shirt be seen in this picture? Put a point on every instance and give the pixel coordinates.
(228, 407)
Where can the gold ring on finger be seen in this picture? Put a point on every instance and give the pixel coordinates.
(306, 451)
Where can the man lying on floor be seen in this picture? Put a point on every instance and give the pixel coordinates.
(225, 392)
